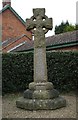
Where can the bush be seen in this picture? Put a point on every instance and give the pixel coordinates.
(17, 71)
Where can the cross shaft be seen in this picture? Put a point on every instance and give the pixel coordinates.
(39, 24)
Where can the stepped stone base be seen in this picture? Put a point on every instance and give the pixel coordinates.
(36, 104)
(41, 96)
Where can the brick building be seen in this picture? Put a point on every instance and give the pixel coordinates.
(13, 28)
(15, 38)
(61, 42)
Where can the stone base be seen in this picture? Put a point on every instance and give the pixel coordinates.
(41, 96)
(35, 104)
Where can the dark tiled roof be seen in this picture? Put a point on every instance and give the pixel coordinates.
(60, 39)
(28, 45)
(7, 42)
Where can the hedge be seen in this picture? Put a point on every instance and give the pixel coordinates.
(17, 71)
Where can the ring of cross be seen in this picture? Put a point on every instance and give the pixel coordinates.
(45, 30)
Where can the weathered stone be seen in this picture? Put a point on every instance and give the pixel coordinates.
(45, 94)
(28, 94)
(36, 24)
(41, 94)
(35, 104)
(41, 86)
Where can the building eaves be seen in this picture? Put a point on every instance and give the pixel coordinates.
(16, 46)
(67, 39)
(29, 47)
(15, 13)
(64, 45)
(52, 43)
(11, 41)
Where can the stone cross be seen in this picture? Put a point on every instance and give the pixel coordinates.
(41, 94)
(39, 24)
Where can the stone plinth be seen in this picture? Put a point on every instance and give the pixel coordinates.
(40, 104)
(41, 97)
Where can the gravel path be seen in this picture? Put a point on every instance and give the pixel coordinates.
(11, 111)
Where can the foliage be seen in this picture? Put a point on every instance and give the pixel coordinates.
(76, 26)
(62, 70)
(64, 27)
(17, 70)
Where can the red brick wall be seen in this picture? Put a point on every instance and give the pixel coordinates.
(12, 26)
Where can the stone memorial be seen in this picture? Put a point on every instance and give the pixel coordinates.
(41, 94)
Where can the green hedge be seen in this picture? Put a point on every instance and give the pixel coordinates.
(63, 70)
(17, 70)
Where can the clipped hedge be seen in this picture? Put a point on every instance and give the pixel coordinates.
(17, 70)
(63, 70)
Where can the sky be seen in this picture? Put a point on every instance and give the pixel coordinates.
(59, 10)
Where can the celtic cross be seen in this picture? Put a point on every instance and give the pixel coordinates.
(41, 94)
(39, 24)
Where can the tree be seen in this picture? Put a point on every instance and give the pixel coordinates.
(64, 27)
(76, 26)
